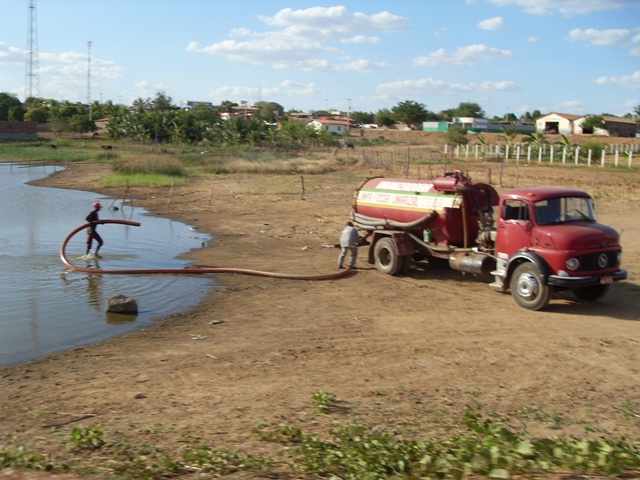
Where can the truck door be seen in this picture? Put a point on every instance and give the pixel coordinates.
(513, 229)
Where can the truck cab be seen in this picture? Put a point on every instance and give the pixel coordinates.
(548, 238)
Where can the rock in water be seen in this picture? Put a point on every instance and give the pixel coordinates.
(122, 304)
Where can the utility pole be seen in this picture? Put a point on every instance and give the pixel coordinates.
(89, 79)
(348, 116)
(32, 81)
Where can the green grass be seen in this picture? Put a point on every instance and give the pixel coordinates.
(338, 447)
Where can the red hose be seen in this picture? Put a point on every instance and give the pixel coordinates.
(187, 270)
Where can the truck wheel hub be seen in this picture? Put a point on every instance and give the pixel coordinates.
(527, 286)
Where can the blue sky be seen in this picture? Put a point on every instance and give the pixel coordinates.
(509, 56)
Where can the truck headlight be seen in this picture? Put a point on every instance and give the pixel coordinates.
(572, 264)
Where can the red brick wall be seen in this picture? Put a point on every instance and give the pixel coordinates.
(18, 131)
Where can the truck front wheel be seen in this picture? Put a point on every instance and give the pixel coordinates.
(527, 287)
(386, 258)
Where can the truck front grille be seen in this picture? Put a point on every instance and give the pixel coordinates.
(598, 261)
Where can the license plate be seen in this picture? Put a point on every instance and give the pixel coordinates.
(607, 279)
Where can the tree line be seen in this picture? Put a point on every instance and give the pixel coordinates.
(158, 119)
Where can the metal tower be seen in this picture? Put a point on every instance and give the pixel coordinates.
(32, 80)
(89, 80)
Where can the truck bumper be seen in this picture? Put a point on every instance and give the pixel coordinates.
(573, 282)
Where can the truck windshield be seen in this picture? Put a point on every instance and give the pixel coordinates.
(563, 209)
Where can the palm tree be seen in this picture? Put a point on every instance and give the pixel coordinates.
(536, 141)
(509, 134)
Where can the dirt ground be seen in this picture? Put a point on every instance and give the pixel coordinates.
(414, 350)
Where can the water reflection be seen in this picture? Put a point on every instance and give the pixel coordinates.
(45, 307)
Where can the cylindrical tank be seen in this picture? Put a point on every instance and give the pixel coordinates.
(449, 205)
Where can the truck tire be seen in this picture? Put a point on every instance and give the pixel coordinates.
(386, 258)
(591, 293)
(527, 287)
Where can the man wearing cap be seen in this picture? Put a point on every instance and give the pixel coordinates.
(92, 218)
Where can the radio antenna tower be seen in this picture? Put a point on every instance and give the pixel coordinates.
(32, 81)
(89, 79)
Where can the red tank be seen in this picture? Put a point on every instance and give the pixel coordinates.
(442, 209)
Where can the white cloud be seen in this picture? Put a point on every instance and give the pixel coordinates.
(494, 23)
(430, 86)
(361, 39)
(336, 20)
(576, 106)
(566, 7)
(605, 38)
(631, 82)
(306, 39)
(532, 39)
(10, 54)
(462, 56)
(634, 45)
(287, 88)
(600, 37)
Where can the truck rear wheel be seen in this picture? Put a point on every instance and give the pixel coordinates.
(527, 287)
(386, 258)
(591, 293)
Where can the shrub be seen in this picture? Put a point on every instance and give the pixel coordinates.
(149, 165)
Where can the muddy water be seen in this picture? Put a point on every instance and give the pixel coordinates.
(44, 307)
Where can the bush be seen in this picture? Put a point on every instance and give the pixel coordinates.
(149, 165)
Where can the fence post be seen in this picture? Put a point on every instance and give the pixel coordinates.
(551, 153)
(604, 154)
(564, 154)
(630, 157)
(577, 154)
(446, 147)
(589, 158)
(617, 158)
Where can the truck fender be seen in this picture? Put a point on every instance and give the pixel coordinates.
(528, 256)
(401, 241)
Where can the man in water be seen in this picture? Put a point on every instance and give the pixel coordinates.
(348, 243)
(92, 218)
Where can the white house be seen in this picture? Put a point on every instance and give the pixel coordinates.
(563, 123)
(330, 125)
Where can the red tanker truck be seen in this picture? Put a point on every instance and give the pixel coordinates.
(537, 240)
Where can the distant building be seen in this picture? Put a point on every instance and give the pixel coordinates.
(567, 124)
(614, 126)
(300, 115)
(245, 111)
(478, 125)
(561, 123)
(331, 125)
(101, 124)
(189, 104)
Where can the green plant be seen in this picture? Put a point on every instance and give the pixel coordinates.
(456, 135)
(86, 438)
(323, 401)
(20, 457)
